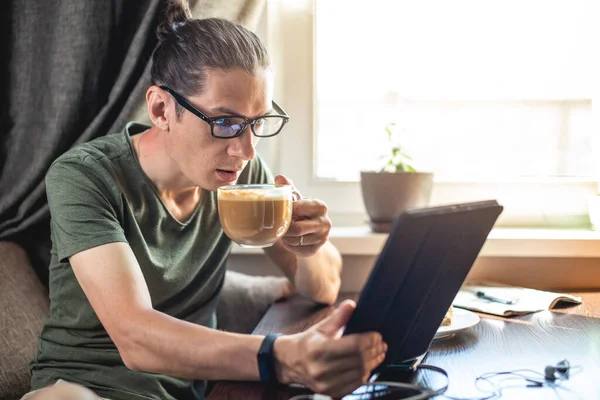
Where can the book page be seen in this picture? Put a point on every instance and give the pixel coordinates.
(524, 300)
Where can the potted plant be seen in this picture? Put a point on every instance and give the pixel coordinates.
(395, 187)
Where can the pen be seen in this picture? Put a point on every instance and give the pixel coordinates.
(483, 295)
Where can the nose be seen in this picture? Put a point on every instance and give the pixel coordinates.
(243, 145)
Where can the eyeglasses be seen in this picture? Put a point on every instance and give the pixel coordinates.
(232, 126)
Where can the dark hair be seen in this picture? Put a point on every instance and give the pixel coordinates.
(187, 47)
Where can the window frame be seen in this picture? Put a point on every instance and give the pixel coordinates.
(290, 37)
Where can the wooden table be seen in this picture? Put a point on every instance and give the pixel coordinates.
(495, 344)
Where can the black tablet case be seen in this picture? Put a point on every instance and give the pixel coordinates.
(424, 262)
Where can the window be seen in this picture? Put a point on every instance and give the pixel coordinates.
(482, 90)
(494, 97)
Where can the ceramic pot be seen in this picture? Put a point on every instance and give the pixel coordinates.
(387, 194)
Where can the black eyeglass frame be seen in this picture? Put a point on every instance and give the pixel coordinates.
(211, 120)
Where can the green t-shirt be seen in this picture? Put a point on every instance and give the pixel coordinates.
(98, 194)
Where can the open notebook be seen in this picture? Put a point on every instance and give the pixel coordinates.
(506, 301)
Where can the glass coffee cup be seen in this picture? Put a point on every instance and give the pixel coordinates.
(255, 216)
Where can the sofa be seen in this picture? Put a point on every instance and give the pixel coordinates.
(24, 302)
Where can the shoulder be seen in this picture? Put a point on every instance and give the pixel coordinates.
(109, 147)
(91, 166)
(100, 153)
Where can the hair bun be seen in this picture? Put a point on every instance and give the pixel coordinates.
(174, 14)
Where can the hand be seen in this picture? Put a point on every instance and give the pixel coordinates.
(324, 360)
(310, 224)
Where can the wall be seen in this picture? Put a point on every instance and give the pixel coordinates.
(571, 274)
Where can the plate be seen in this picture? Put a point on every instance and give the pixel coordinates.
(461, 320)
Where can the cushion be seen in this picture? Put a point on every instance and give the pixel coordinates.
(245, 299)
(23, 304)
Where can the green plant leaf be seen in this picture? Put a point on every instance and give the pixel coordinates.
(389, 131)
(406, 156)
(396, 160)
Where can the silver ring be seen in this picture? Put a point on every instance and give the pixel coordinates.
(301, 241)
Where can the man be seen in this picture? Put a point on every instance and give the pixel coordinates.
(138, 253)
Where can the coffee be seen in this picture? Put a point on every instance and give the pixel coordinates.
(255, 215)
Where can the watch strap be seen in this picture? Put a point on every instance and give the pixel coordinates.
(266, 359)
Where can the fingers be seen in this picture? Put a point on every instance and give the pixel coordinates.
(365, 345)
(302, 207)
(309, 208)
(348, 381)
(305, 240)
(336, 320)
(339, 383)
(284, 180)
(320, 225)
(306, 237)
(310, 226)
(343, 365)
(367, 361)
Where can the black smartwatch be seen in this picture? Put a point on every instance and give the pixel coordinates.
(266, 361)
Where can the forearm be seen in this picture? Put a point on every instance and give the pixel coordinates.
(318, 276)
(155, 342)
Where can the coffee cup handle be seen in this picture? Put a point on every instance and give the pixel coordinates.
(296, 195)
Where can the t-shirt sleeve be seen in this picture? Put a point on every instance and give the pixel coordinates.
(83, 209)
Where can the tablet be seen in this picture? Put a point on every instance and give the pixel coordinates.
(424, 262)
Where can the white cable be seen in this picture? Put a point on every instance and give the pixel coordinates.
(425, 393)
(429, 393)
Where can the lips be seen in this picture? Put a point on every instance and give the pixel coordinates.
(228, 175)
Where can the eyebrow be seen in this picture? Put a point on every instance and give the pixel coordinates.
(228, 111)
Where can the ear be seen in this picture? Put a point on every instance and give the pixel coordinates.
(161, 107)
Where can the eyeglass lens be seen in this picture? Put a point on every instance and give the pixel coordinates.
(230, 126)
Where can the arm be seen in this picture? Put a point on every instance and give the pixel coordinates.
(316, 276)
(304, 253)
(151, 341)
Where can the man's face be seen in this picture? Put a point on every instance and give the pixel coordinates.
(206, 161)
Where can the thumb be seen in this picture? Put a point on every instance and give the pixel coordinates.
(333, 324)
(283, 180)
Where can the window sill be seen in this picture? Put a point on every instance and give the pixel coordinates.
(502, 242)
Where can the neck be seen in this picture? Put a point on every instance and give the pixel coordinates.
(162, 170)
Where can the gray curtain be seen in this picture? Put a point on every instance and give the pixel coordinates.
(72, 71)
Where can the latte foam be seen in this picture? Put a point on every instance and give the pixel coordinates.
(254, 194)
